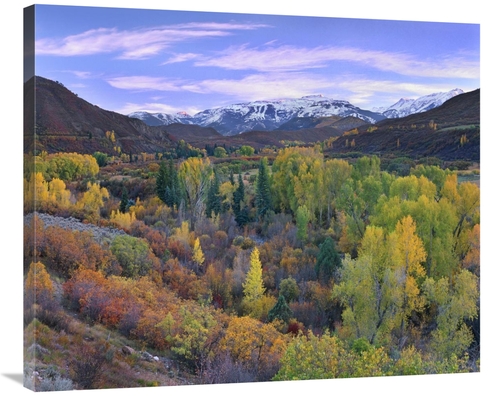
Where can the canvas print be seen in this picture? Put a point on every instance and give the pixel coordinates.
(216, 198)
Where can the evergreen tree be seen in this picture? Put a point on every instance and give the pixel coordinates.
(172, 189)
(240, 210)
(280, 311)
(241, 214)
(263, 200)
(214, 200)
(161, 181)
(327, 261)
(124, 200)
(231, 177)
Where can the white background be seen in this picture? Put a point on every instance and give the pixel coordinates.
(11, 74)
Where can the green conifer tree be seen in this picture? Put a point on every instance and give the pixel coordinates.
(124, 200)
(214, 200)
(280, 311)
(161, 181)
(327, 261)
(241, 211)
(263, 200)
(172, 188)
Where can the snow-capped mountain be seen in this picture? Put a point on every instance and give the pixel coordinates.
(156, 119)
(405, 107)
(266, 115)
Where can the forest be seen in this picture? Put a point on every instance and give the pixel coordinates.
(247, 265)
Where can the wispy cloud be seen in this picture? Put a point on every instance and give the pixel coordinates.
(291, 58)
(269, 86)
(362, 92)
(253, 87)
(145, 83)
(358, 90)
(179, 58)
(155, 107)
(220, 26)
(133, 44)
(81, 74)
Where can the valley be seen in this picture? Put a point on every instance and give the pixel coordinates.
(328, 246)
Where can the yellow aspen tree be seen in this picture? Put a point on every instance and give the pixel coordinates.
(38, 287)
(123, 220)
(198, 256)
(58, 194)
(253, 286)
(183, 234)
(36, 191)
(92, 201)
(408, 256)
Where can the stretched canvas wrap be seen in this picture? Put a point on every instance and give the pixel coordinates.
(214, 198)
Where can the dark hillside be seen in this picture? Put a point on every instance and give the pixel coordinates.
(261, 139)
(64, 122)
(450, 132)
(307, 122)
(346, 123)
(189, 133)
(462, 109)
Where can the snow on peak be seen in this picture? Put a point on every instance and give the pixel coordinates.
(404, 107)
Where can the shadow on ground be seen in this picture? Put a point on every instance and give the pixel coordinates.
(14, 377)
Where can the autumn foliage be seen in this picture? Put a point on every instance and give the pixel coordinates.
(304, 268)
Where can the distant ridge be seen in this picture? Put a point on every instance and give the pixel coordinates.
(434, 133)
(292, 114)
(405, 107)
(266, 115)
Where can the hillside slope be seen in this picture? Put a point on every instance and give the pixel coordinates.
(450, 132)
(55, 119)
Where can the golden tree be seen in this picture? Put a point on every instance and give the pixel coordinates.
(198, 256)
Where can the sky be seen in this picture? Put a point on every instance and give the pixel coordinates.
(128, 60)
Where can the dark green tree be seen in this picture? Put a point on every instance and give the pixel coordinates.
(238, 196)
(124, 200)
(173, 187)
(327, 261)
(214, 200)
(168, 187)
(101, 158)
(280, 311)
(263, 199)
(243, 216)
(289, 289)
(161, 181)
(240, 210)
(231, 176)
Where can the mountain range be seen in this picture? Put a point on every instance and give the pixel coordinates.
(278, 114)
(56, 119)
(405, 107)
